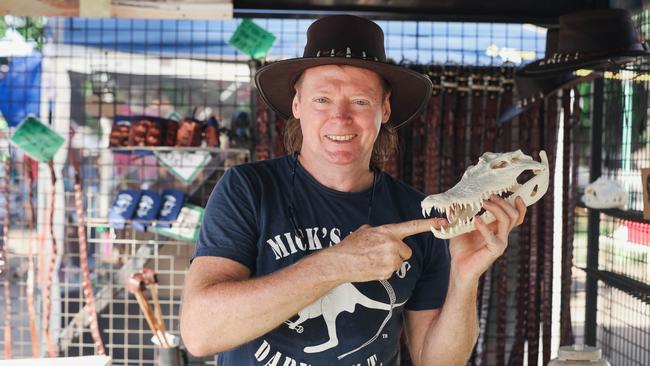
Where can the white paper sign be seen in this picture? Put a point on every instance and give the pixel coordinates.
(184, 165)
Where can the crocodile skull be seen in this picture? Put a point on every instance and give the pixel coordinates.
(604, 193)
(495, 173)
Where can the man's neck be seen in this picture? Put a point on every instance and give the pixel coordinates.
(342, 178)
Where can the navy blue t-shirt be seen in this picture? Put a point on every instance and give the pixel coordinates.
(247, 220)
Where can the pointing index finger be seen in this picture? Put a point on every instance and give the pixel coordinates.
(408, 228)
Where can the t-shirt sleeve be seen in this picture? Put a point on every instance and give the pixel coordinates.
(229, 227)
(431, 289)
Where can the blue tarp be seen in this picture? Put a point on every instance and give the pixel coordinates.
(20, 88)
(422, 42)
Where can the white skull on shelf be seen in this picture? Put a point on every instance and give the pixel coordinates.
(495, 173)
(604, 193)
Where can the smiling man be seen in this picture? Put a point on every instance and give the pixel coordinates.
(318, 257)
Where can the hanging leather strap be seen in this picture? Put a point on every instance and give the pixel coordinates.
(517, 354)
(461, 123)
(262, 148)
(83, 254)
(550, 145)
(278, 144)
(418, 151)
(4, 260)
(30, 215)
(566, 333)
(478, 114)
(501, 264)
(47, 290)
(450, 88)
(533, 266)
(493, 90)
(433, 134)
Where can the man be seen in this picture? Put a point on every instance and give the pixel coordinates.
(318, 258)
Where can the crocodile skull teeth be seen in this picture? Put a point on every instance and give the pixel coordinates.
(494, 174)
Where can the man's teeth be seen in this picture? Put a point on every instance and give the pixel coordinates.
(340, 137)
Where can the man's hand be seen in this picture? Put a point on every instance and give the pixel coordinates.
(375, 253)
(474, 252)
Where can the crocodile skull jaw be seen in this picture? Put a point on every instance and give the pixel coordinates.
(494, 174)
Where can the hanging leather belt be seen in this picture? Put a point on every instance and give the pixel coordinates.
(262, 118)
(419, 174)
(4, 260)
(47, 291)
(278, 145)
(30, 215)
(533, 266)
(569, 202)
(478, 111)
(492, 91)
(433, 136)
(83, 253)
(491, 109)
(550, 143)
(501, 265)
(517, 353)
(461, 120)
(450, 86)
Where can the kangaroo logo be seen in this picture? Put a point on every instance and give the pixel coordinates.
(342, 298)
(402, 271)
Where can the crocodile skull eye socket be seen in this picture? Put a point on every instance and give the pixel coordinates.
(499, 164)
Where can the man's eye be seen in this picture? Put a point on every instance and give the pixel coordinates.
(320, 100)
(361, 102)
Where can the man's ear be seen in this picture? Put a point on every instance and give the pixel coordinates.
(386, 109)
(295, 106)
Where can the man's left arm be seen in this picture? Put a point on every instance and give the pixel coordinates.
(447, 336)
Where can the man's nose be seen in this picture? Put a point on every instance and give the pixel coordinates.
(341, 111)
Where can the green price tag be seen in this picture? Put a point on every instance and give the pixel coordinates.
(37, 140)
(252, 39)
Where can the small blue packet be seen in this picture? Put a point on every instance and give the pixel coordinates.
(123, 208)
(172, 202)
(147, 210)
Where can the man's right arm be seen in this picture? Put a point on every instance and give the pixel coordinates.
(223, 308)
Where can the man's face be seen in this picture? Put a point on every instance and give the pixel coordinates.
(341, 109)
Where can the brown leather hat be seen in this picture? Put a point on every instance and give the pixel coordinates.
(533, 88)
(345, 40)
(596, 39)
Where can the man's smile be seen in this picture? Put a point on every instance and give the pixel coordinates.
(339, 138)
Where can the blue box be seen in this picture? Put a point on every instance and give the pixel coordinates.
(172, 202)
(124, 207)
(147, 210)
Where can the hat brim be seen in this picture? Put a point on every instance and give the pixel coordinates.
(410, 90)
(525, 104)
(598, 62)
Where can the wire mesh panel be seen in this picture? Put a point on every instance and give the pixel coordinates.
(620, 240)
(114, 90)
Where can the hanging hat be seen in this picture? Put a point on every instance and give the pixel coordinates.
(345, 40)
(533, 89)
(591, 39)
